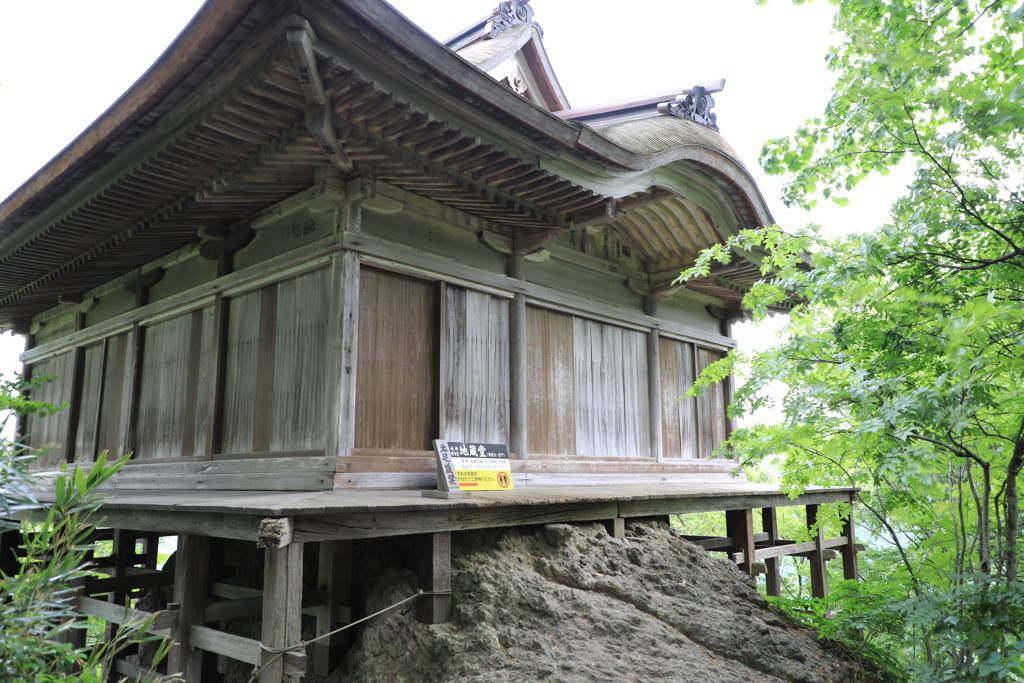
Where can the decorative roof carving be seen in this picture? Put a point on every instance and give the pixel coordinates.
(695, 106)
(511, 13)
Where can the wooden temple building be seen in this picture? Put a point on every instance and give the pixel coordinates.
(311, 239)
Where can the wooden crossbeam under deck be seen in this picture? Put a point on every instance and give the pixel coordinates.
(340, 515)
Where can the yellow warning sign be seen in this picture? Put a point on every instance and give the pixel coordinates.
(484, 480)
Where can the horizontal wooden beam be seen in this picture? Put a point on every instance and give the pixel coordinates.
(790, 549)
(163, 621)
(374, 525)
(168, 522)
(241, 649)
(716, 502)
(137, 673)
(128, 583)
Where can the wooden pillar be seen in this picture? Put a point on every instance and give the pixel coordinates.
(124, 557)
(282, 608)
(616, 527)
(191, 580)
(819, 578)
(654, 382)
(75, 407)
(130, 391)
(773, 575)
(218, 363)
(849, 550)
(434, 562)
(335, 578)
(343, 342)
(518, 378)
(739, 524)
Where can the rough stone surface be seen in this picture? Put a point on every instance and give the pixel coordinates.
(569, 603)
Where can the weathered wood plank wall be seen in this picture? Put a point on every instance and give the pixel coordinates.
(551, 379)
(476, 367)
(396, 405)
(49, 432)
(433, 359)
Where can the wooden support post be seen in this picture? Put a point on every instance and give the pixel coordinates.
(819, 578)
(191, 580)
(518, 391)
(282, 608)
(335, 577)
(653, 382)
(74, 409)
(124, 557)
(849, 550)
(739, 525)
(773, 575)
(218, 364)
(130, 391)
(343, 342)
(434, 560)
(616, 527)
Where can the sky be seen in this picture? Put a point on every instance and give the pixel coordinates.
(63, 62)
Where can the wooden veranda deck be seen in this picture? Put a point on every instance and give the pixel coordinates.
(283, 522)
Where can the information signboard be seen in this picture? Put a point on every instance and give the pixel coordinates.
(472, 466)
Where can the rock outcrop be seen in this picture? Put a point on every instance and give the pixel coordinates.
(569, 603)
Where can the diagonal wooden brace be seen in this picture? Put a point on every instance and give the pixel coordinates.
(318, 115)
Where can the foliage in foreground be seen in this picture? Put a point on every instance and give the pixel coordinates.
(37, 619)
(902, 362)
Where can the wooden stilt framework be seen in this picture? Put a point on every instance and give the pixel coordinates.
(201, 601)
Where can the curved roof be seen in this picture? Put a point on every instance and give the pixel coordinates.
(485, 52)
(206, 136)
(662, 133)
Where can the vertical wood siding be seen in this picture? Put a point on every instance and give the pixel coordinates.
(240, 372)
(113, 395)
(692, 427)
(173, 403)
(299, 372)
(551, 382)
(711, 406)
(396, 394)
(161, 400)
(48, 432)
(679, 415)
(92, 396)
(274, 382)
(611, 391)
(476, 370)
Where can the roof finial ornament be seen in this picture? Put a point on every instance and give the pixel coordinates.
(509, 14)
(695, 105)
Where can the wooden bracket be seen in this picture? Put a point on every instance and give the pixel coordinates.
(497, 242)
(638, 286)
(21, 326)
(301, 39)
(608, 213)
(215, 234)
(147, 279)
(213, 248)
(363, 188)
(75, 298)
(274, 532)
(533, 243)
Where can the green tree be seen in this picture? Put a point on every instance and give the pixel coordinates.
(903, 363)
